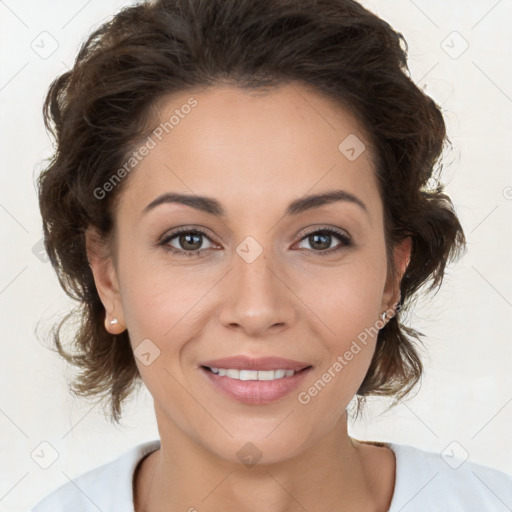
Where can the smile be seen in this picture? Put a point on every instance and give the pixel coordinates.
(254, 387)
(232, 373)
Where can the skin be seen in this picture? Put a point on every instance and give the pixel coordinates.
(254, 153)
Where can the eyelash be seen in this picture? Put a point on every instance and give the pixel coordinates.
(346, 241)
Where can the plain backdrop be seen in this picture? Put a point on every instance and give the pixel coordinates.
(460, 53)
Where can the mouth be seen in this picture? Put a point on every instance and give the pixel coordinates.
(254, 387)
(254, 375)
(251, 363)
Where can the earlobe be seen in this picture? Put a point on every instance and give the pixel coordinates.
(105, 279)
(113, 325)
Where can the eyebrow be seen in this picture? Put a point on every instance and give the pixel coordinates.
(213, 207)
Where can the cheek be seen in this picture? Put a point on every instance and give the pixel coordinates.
(347, 299)
(348, 304)
(349, 343)
(164, 309)
(155, 294)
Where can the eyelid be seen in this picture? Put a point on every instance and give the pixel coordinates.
(316, 229)
(342, 235)
(170, 233)
(174, 233)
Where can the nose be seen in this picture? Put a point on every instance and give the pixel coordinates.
(257, 297)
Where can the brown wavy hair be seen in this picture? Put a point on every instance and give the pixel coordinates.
(99, 109)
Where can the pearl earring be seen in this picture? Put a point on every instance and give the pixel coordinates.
(114, 321)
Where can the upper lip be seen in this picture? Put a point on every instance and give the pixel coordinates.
(242, 362)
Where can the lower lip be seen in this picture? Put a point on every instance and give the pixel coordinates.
(256, 392)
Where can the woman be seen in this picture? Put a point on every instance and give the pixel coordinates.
(242, 200)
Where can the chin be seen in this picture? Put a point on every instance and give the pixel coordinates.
(256, 446)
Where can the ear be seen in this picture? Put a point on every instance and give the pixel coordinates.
(105, 278)
(401, 259)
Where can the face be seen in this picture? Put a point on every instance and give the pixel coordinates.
(263, 279)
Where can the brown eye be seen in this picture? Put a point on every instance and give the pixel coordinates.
(190, 241)
(187, 242)
(320, 241)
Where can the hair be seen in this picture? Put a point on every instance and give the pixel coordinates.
(104, 105)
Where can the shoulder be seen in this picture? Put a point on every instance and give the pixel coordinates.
(107, 487)
(427, 481)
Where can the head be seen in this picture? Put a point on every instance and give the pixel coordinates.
(255, 107)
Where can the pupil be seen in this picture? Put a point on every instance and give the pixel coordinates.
(187, 237)
(325, 238)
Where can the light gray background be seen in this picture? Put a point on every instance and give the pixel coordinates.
(466, 394)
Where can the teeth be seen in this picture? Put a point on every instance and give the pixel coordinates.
(252, 374)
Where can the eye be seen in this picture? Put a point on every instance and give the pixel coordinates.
(322, 238)
(188, 241)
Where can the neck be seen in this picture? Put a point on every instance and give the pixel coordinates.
(336, 473)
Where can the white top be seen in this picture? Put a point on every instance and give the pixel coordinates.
(424, 482)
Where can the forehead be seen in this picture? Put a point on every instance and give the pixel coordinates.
(261, 147)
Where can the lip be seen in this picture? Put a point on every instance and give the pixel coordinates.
(255, 392)
(242, 362)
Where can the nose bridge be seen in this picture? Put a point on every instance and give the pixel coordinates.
(255, 280)
(257, 297)
(253, 264)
